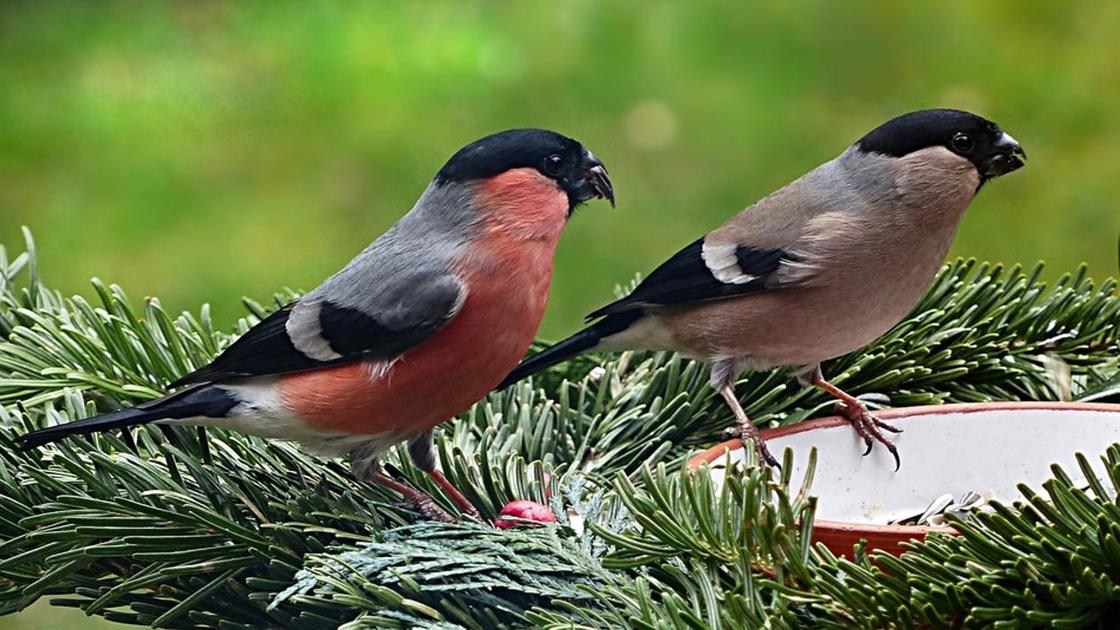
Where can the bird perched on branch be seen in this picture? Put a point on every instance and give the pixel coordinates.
(414, 330)
(815, 270)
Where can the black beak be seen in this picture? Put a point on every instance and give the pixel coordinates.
(1007, 156)
(594, 181)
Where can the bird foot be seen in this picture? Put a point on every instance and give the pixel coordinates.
(750, 437)
(869, 428)
(471, 513)
(431, 511)
(744, 429)
(461, 501)
(413, 498)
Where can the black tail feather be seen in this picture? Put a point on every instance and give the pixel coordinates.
(207, 400)
(578, 343)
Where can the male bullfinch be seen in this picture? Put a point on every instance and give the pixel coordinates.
(414, 330)
(815, 270)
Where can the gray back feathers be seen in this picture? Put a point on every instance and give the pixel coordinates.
(419, 249)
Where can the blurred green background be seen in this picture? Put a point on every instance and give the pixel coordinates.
(203, 151)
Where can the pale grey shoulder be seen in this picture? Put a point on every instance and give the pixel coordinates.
(414, 257)
(395, 292)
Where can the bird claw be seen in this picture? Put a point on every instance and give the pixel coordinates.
(472, 514)
(745, 430)
(765, 455)
(431, 511)
(884, 426)
(750, 438)
(894, 453)
(413, 498)
(868, 427)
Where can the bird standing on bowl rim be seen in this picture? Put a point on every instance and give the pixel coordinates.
(414, 330)
(815, 270)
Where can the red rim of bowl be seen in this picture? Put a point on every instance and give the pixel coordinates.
(839, 536)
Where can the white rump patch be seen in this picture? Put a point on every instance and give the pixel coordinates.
(306, 334)
(723, 263)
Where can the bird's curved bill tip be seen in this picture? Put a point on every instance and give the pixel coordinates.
(601, 183)
(1008, 156)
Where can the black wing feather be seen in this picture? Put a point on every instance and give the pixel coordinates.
(686, 278)
(267, 348)
(351, 332)
(760, 262)
(267, 343)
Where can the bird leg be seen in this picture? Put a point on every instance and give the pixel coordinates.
(724, 372)
(867, 426)
(464, 504)
(424, 456)
(365, 465)
(748, 433)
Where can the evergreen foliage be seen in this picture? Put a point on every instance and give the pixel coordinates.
(179, 527)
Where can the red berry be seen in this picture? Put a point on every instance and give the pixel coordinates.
(528, 510)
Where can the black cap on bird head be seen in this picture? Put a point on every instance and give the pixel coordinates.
(578, 172)
(980, 141)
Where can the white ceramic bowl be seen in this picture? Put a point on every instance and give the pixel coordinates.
(987, 448)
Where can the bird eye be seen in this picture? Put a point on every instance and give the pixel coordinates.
(553, 163)
(962, 143)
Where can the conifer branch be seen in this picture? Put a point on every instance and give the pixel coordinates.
(186, 528)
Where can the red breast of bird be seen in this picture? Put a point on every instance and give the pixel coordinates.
(507, 274)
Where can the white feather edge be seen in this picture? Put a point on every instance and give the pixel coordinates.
(724, 265)
(306, 333)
